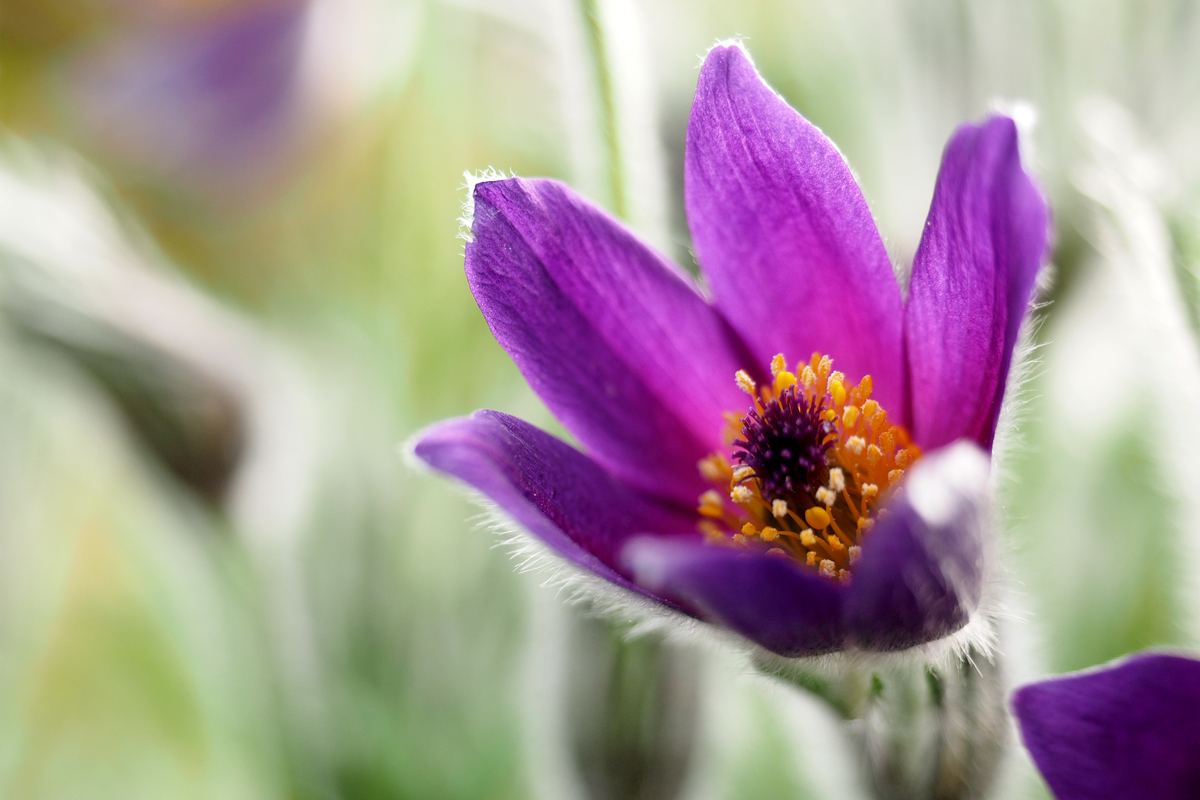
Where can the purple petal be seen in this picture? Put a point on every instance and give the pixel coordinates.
(783, 233)
(554, 491)
(972, 278)
(771, 600)
(613, 338)
(921, 574)
(1129, 731)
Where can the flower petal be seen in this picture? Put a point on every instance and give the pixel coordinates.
(921, 574)
(783, 233)
(769, 599)
(613, 338)
(554, 491)
(1129, 731)
(972, 278)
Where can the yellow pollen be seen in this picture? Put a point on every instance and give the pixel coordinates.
(817, 517)
(837, 391)
(822, 526)
(782, 381)
(711, 469)
(778, 365)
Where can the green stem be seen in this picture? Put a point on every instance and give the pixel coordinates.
(607, 106)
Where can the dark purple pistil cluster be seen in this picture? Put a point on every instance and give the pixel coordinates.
(785, 445)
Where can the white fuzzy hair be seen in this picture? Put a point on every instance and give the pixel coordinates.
(467, 219)
(639, 615)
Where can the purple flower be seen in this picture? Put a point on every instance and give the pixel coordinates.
(791, 505)
(1129, 730)
(213, 101)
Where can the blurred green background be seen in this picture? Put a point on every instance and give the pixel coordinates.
(231, 287)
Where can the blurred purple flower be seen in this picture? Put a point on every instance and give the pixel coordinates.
(211, 102)
(1129, 730)
(765, 521)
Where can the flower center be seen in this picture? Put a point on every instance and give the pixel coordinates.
(806, 468)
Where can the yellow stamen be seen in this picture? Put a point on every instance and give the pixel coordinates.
(837, 479)
(711, 468)
(742, 473)
(817, 517)
(823, 526)
(778, 365)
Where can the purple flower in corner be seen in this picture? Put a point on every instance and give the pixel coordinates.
(1129, 730)
(812, 505)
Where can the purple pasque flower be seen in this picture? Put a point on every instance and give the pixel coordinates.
(212, 100)
(791, 505)
(1130, 730)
